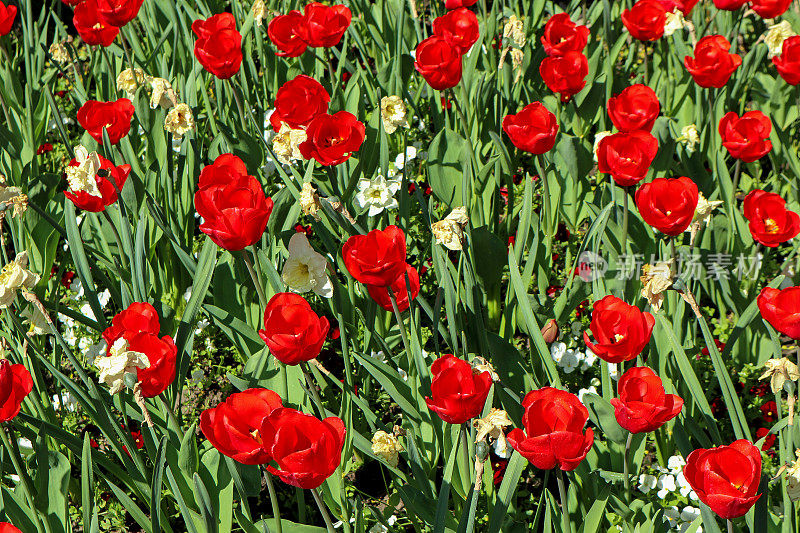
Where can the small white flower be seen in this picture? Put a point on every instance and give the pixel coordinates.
(676, 463)
(673, 515)
(87, 311)
(104, 297)
(65, 400)
(187, 295)
(557, 350)
(689, 513)
(588, 360)
(569, 362)
(201, 325)
(400, 161)
(305, 269)
(647, 482)
(613, 370)
(583, 392)
(502, 449)
(684, 488)
(377, 194)
(666, 485)
(403, 373)
(25, 445)
(380, 356)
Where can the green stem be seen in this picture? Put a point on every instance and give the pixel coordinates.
(730, 526)
(323, 510)
(273, 500)
(400, 322)
(562, 493)
(259, 289)
(312, 386)
(625, 471)
(117, 239)
(625, 210)
(736, 173)
(16, 460)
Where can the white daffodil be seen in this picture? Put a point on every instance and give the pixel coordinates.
(83, 177)
(393, 113)
(450, 230)
(386, 446)
(38, 323)
(690, 137)
(305, 269)
(775, 36)
(377, 194)
(15, 276)
(119, 362)
(286, 144)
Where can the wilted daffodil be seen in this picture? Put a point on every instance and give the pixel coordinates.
(492, 425)
(82, 177)
(59, 52)
(179, 120)
(514, 32)
(12, 197)
(775, 36)
(656, 279)
(702, 215)
(15, 276)
(162, 94)
(259, 11)
(36, 319)
(690, 137)
(129, 80)
(119, 362)
(674, 22)
(793, 479)
(309, 201)
(386, 446)
(779, 371)
(286, 144)
(450, 231)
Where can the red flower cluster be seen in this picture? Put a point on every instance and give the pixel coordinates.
(319, 26)
(7, 15)
(458, 392)
(565, 68)
(219, 45)
(533, 129)
(292, 330)
(253, 427)
(99, 21)
(668, 204)
(554, 435)
(139, 326)
(15, 384)
(233, 205)
(438, 58)
(114, 117)
(726, 478)
(302, 103)
(770, 223)
(712, 64)
(643, 406)
(108, 182)
(621, 331)
(781, 308)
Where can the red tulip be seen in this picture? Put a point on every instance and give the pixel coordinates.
(620, 331)
(746, 138)
(533, 129)
(729, 5)
(105, 184)
(458, 393)
(233, 426)
(283, 32)
(770, 222)
(91, 26)
(399, 288)
(554, 435)
(781, 308)
(769, 9)
(235, 211)
(292, 330)
(307, 450)
(332, 139)
(219, 45)
(298, 102)
(15, 384)
(115, 117)
(788, 63)
(627, 156)
(5, 527)
(438, 62)
(323, 26)
(645, 20)
(377, 258)
(565, 74)
(224, 169)
(139, 326)
(726, 478)
(458, 27)
(118, 12)
(643, 406)
(161, 353)
(561, 35)
(635, 108)
(712, 64)
(684, 5)
(138, 317)
(668, 204)
(7, 15)
(455, 4)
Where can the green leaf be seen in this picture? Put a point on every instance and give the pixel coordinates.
(601, 412)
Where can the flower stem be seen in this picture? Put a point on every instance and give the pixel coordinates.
(273, 500)
(259, 289)
(312, 386)
(625, 210)
(737, 172)
(323, 510)
(400, 322)
(730, 526)
(625, 471)
(562, 492)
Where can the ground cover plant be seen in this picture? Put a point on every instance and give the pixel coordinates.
(399, 265)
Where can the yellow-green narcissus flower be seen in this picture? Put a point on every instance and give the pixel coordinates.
(179, 120)
(393, 113)
(119, 362)
(15, 276)
(305, 269)
(386, 446)
(450, 231)
(776, 35)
